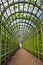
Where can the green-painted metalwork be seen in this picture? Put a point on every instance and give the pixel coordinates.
(21, 21)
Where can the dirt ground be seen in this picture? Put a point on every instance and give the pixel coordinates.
(22, 57)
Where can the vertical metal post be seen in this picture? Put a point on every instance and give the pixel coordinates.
(0, 43)
(42, 41)
(5, 46)
(38, 43)
(34, 44)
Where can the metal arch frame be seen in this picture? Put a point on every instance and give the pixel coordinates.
(12, 14)
(26, 26)
(23, 28)
(19, 29)
(16, 13)
(21, 2)
(24, 18)
(23, 22)
(11, 30)
(28, 13)
(30, 25)
(20, 12)
(8, 30)
(35, 5)
(23, 32)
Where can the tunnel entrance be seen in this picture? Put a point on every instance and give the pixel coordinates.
(21, 21)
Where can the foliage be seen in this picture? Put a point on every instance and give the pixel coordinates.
(34, 44)
(8, 45)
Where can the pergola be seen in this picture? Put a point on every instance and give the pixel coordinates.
(21, 20)
(25, 15)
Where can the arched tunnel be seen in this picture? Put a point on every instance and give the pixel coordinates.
(21, 23)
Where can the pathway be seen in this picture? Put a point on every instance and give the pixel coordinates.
(22, 57)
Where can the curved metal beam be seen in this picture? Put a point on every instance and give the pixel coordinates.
(19, 17)
(25, 19)
(24, 28)
(24, 25)
(21, 2)
(27, 13)
(23, 13)
(22, 18)
(28, 24)
(8, 30)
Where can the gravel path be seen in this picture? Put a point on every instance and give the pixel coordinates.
(22, 57)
